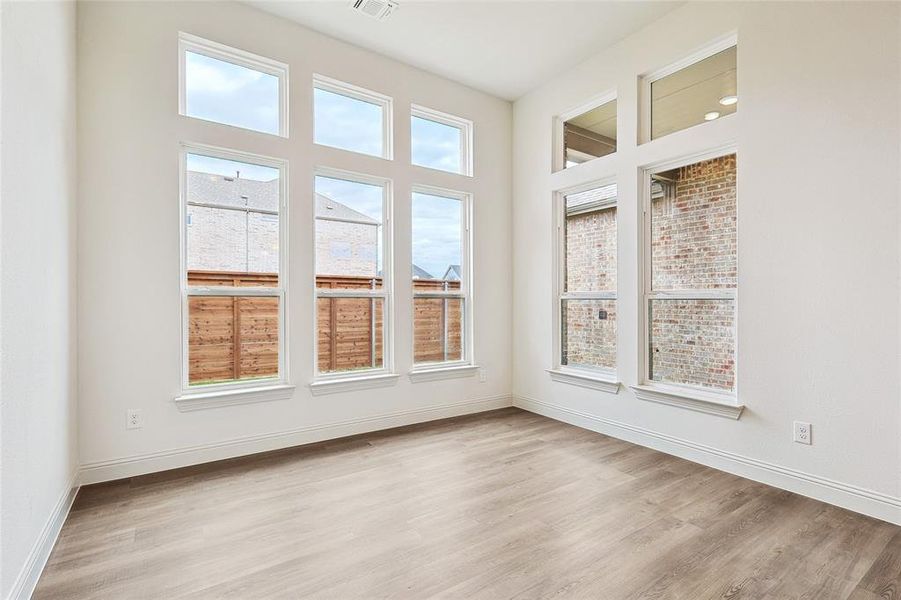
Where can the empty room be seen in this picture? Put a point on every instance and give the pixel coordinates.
(363, 299)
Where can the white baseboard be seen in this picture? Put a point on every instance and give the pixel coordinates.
(868, 502)
(40, 552)
(132, 466)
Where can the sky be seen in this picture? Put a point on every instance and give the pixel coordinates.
(229, 168)
(219, 91)
(437, 233)
(435, 145)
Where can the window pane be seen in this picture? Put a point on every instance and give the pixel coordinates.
(220, 91)
(693, 342)
(436, 145)
(437, 238)
(701, 92)
(590, 240)
(590, 135)
(232, 338)
(437, 329)
(348, 123)
(588, 333)
(350, 333)
(348, 233)
(232, 217)
(693, 233)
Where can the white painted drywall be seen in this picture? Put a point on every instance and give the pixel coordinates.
(818, 148)
(129, 135)
(37, 279)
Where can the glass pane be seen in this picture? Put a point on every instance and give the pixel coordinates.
(590, 135)
(693, 342)
(348, 234)
(590, 240)
(350, 333)
(232, 338)
(436, 145)
(220, 91)
(232, 221)
(437, 329)
(588, 333)
(437, 239)
(348, 123)
(704, 91)
(693, 236)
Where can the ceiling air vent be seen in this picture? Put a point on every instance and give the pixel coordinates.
(377, 9)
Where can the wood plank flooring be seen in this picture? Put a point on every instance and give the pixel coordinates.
(500, 505)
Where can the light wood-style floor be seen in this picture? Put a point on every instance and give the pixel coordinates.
(505, 504)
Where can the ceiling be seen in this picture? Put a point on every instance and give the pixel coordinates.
(503, 48)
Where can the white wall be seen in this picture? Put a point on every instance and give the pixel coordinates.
(817, 131)
(128, 236)
(37, 287)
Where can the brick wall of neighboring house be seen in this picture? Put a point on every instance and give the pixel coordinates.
(589, 326)
(349, 249)
(233, 241)
(694, 247)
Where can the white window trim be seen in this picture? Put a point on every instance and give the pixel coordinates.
(466, 131)
(359, 93)
(210, 49)
(644, 82)
(238, 392)
(465, 292)
(606, 380)
(361, 378)
(558, 160)
(448, 370)
(697, 398)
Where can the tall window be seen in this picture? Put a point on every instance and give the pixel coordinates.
(587, 280)
(233, 284)
(229, 86)
(351, 118)
(441, 285)
(692, 275)
(352, 273)
(440, 141)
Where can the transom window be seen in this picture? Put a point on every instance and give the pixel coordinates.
(351, 118)
(233, 287)
(587, 133)
(587, 279)
(441, 280)
(232, 87)
(440, 141)
(692, 275)
(352, 273)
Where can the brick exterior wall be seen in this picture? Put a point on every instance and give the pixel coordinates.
(347, 249)
(693, 245)
(233, 241)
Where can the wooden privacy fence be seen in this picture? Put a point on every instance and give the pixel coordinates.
(236, 337)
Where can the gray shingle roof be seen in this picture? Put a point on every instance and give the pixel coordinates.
(208, 188)
(327, 208)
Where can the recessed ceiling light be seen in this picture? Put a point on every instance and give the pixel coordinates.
(728, 100)
(711, 116)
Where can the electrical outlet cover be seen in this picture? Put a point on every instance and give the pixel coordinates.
(802, 433)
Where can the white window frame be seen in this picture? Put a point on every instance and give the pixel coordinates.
(234, 392)
(644, 86)
(359, 93)
(235, 56)
(466, 132)
(698, 398)
(339, 381)
(466, 365)
(592, 377)
(558, 160)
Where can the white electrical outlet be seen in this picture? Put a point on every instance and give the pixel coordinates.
(134, 418)
(483, 375)
(802, 432)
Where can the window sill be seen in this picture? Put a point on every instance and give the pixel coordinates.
(443, 372)
(595, 381)
(247, 395)
(721, 405)
(351, 383)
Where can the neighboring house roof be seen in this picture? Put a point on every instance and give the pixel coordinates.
(453, 273)
(420, 273)
(327, 208)
(207, 188)
(590, 199)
